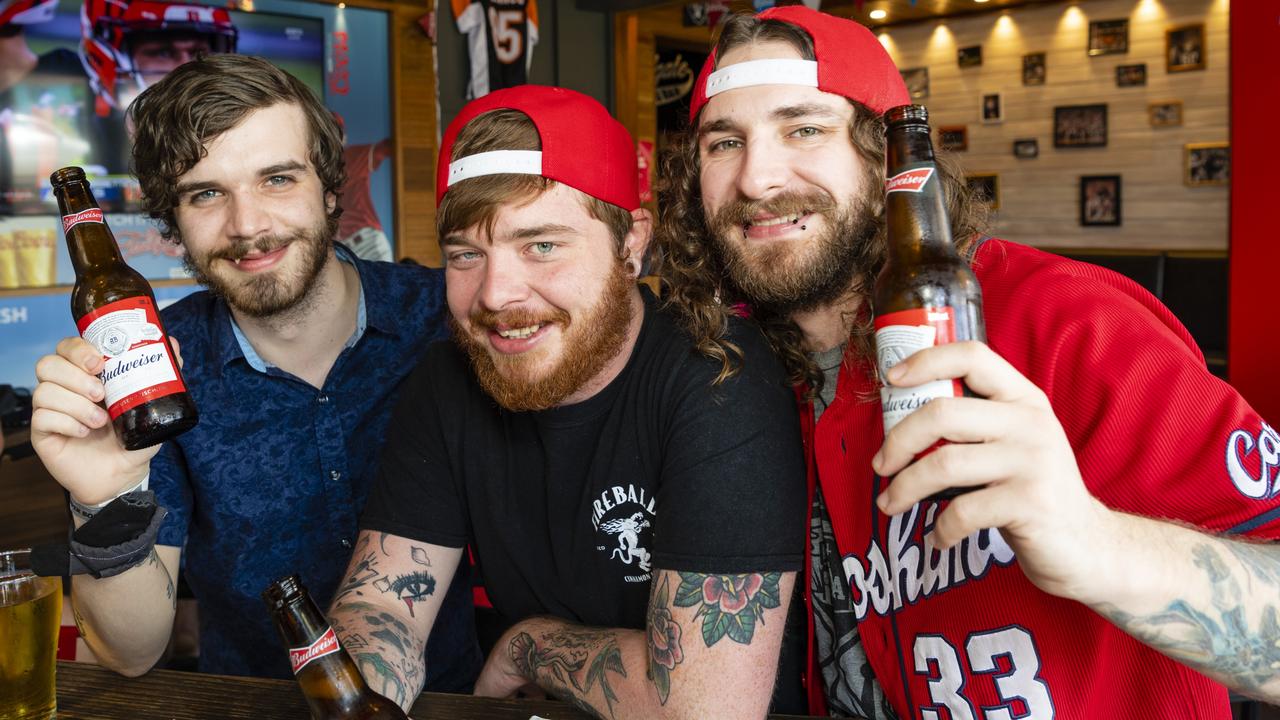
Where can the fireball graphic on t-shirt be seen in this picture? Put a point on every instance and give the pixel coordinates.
(628, 531)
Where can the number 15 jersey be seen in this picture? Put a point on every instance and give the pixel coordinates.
(500, 39)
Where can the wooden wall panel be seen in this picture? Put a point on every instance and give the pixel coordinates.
(413, 62)
(1039, 198)
(636, 38)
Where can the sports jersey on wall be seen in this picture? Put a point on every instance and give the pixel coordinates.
(500, 39)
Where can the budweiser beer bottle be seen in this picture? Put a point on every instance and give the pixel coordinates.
(329, 679)
(926, 294)
(116, 313)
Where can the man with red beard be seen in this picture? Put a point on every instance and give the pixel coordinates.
(293, 355)
(1054, 588)
(631, 504)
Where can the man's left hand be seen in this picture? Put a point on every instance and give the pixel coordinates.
(1009, 446)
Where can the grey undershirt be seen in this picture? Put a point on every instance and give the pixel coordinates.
(851, 687)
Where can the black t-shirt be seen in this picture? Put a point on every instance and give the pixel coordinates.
(570, 510)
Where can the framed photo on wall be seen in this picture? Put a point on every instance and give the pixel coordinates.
(1100, 200)
(1026, 149)
(1131, 75)
(1109, 37)
(953, 137)
(1184, 48)
(969, 56)
(1033, 71)
(1207, 164)
(985, 188)
(917, 82)
(992, 108)
(1165, 114)
(1080, 126)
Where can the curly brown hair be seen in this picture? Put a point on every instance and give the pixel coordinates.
(694, 274)
(177, 117)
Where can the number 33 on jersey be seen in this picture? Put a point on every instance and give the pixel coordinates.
(500, 39)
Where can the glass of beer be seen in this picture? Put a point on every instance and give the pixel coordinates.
(8, 261)
(37, 260)
(30, 610)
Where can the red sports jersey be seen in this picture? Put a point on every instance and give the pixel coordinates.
(963, 635)
(500, 39)
(358, 211)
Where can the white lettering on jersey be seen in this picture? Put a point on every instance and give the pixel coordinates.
(910, 569)
(1240, 445)
(1018, 684)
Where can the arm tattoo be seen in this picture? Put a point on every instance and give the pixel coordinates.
(384, 648)
(729, 604)
(363, 572)
(409, 588)
(565, 656)
(663, 640)
(1220, 639)
(389, 679)
(169, 591)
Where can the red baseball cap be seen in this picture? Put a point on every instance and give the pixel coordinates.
(582, 145)
(851, 63)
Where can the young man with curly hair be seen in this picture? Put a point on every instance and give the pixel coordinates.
(294, 354)
(1091, 571)
(631, 508)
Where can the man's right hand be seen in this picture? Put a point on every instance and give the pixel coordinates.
(71, 431)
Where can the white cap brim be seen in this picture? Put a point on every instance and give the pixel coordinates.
(519, 162)
(776, 71)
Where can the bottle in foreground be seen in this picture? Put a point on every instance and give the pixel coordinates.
(329, 679)
(116, 313)
(926, 294)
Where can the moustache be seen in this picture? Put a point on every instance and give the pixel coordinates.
(241, 249)
(739, 212)
(516, 318)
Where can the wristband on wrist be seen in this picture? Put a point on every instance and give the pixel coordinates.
(120, 537)
(86, 512)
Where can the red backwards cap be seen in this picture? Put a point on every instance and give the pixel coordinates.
(851, 63)
(582, 145)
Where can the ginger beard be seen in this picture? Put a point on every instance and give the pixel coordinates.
(276, 290)
(792, 276)
(586, 345)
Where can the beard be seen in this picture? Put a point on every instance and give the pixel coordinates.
(586, 346)
(795, 276)
(277, 290)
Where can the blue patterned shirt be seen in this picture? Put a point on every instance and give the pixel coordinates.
(273, 478)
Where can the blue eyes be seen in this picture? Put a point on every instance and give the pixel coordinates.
(808, 131)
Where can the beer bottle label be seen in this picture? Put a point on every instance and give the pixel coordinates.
(138, 366)
(326, 644)
(899, 335)
(912, 180)
(92, 215)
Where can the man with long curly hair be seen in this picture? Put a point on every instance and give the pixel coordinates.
(1054, 587)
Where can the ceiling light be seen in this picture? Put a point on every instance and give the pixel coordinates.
(980, 1)
(879, 14)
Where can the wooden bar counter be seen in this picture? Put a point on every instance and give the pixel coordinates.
(89, 692)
